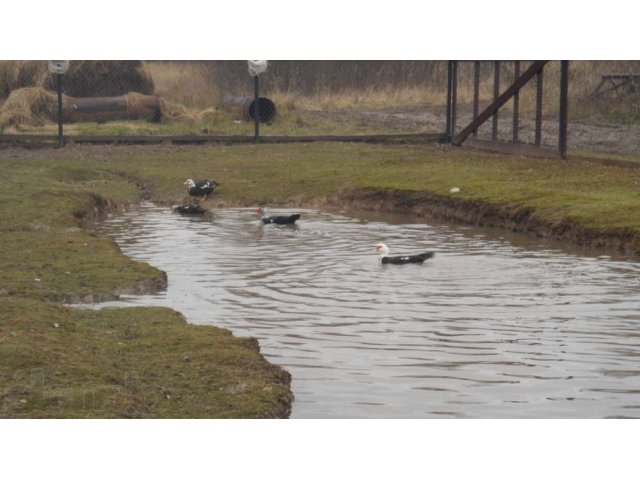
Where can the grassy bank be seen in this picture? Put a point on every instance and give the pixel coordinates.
(62, 362)
(46, 255)
(588, 192)
(132, 363)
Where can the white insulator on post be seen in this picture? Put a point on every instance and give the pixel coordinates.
(256, 67)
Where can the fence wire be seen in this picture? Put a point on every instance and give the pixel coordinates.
(206, 98)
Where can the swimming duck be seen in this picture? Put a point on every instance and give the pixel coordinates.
(383, 250)
(190, 208)
(278, 219)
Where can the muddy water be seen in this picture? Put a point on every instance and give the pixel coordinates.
(492, 327)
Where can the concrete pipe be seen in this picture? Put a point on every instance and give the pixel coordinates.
(244, 108)
(103, 109)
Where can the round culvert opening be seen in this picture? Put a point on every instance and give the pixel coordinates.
(267, 110)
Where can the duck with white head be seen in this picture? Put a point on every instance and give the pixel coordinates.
(383, 251)
(201, 188)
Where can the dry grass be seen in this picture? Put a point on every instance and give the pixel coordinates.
(36, 106)
(332, 85)
(191, 91)
(357, 99)
(584, 77)
(184, 83)
(28, 106)
(85, 78)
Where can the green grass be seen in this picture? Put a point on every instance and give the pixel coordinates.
(128, 363)
(603, 196)
(48, 254)
(85, 366)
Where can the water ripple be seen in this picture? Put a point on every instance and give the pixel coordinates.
(493, 326)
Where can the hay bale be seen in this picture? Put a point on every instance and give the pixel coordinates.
(85, 78)
(106, 78)
(37, 106)
(29, 106)
(15, 74)
(175, 111)
(16, 118)
(143, 107)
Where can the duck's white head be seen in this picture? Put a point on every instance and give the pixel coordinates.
(189, 183)
(382, 249)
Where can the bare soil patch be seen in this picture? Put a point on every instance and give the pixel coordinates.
(622, 139)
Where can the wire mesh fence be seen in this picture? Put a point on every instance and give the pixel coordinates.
(307, 98)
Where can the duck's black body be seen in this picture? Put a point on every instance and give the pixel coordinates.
(278, 219)
(407, 258)
(191, 209)
(281, 219)
(202, 188)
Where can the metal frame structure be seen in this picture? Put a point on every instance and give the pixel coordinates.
(534, 71)
(468, 135)
(618, 83)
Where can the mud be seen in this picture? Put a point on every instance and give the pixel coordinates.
(592, 136)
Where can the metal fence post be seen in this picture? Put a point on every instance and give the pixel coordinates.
(60, 132)
(516, 104)
(564, 110)
(476, 92)
(256, 108)
(539, 93)
(496, 94)
(449, 91)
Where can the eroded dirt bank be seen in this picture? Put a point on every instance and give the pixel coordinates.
(481, 213)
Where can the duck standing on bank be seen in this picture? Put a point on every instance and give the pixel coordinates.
(278, 219)
(201, 188)
(383, 250)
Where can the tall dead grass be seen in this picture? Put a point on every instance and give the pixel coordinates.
(325, 85)
(34, 106)
(184, 83)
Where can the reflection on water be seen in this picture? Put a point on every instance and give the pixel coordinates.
(491, 327)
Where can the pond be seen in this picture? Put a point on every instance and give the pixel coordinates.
(494, 326)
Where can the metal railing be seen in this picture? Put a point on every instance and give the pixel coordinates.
(516, 106)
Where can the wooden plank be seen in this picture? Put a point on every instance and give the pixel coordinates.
(28, 138)
(502, 99)
(198, 139)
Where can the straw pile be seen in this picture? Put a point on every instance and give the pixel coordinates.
(106, 78)
(176, 111)
(85, 78)
(33, 106)
(16, 74)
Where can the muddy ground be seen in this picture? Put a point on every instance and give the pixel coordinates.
(622, 139)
